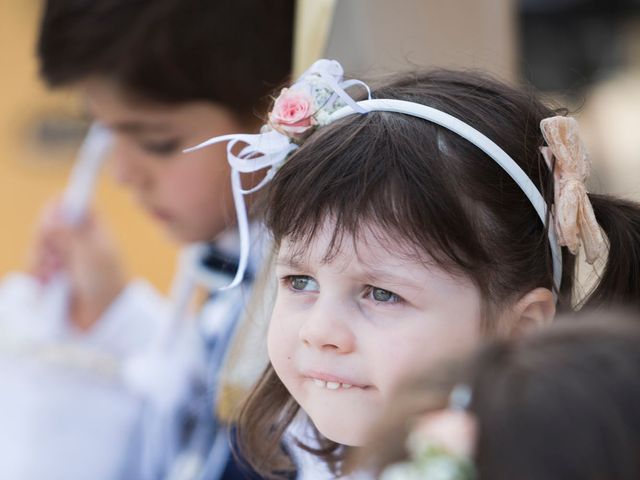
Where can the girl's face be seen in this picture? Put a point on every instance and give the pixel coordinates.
(188, 194)
(345, 332)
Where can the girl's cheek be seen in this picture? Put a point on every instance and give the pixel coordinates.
(412, 352)
(274, 332)
(282, 327)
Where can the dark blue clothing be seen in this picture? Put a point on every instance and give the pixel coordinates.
(206, 437)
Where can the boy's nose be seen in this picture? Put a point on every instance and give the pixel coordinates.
(327, 327)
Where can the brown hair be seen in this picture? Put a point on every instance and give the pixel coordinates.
(439, 195)
(560, 404)
(232, 53)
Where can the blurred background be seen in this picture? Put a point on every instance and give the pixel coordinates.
(40, 132)
(584, 53)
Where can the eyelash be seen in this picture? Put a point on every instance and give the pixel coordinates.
(368, 291)
(288, 279)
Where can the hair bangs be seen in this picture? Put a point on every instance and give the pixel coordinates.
(353, 182)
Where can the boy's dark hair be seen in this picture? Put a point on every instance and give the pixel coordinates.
(231, 52)
(443, 200)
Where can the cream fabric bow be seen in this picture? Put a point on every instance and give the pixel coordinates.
(575, 221)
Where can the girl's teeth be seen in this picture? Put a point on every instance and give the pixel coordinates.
(330, 385)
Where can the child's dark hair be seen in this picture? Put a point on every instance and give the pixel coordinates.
(559, 404)
(171, 51)
(435, 194)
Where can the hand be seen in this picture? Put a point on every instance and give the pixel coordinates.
(87, 254)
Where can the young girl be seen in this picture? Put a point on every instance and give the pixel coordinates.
(408, 226)
(558, 404)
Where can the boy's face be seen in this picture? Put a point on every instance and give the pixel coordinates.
(345, 333)
(189, 194)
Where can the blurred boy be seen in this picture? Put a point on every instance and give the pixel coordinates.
(163, 75)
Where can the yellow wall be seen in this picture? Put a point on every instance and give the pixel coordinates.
(29, 176)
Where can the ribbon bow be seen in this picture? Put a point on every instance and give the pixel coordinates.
(575, 221)
(297, 111)
(263, 150)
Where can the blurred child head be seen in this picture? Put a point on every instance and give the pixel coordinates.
(557, 404)
(164, 75)
(399, 243)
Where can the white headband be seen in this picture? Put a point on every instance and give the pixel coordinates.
(318, 98)
(483, 143)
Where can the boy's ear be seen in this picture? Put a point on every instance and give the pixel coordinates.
(534, 309)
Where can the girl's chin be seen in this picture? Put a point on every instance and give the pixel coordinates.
(342, 433)
(347, 439)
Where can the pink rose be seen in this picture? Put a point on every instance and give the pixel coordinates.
(292, 113)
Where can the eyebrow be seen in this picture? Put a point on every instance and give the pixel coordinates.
(371, 274)
(290, 262)
(375, 275)
(378, 273)
(138, 127)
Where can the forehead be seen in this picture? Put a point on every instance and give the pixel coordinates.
(104, 98)
(371, 252)
(371, 255)
(127, 113)
(328, 244)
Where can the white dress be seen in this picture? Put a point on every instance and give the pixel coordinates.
(310, 467)
(67, 410)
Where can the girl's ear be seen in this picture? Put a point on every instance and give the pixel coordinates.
(534, 309)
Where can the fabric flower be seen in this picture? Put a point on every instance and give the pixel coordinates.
(575, 221)
(440, 448)
(326, 68)
(292, 113)
(453, 430)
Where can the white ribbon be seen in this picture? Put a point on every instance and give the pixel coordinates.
(485, 144)
(331, 72)
(339, 87)
(271, 148)
(263, 150)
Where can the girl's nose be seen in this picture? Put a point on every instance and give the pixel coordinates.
(328, 327)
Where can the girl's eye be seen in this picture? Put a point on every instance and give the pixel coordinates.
(302, 283)
(163, 148)
(381, 295)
